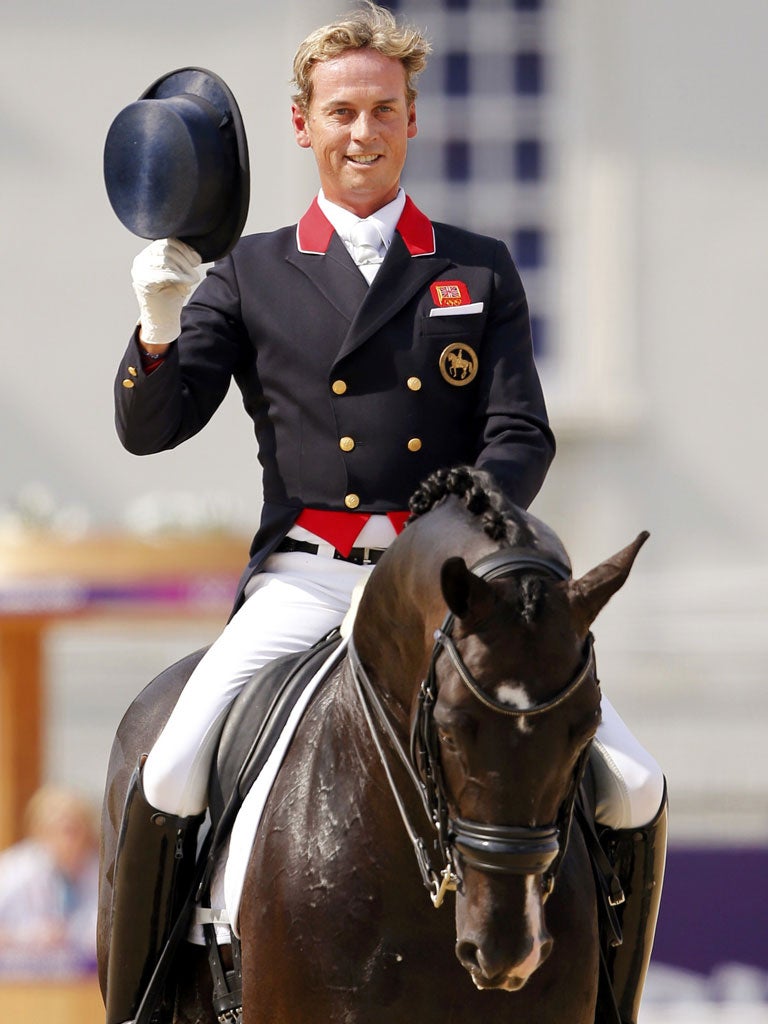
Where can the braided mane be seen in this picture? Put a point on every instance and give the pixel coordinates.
(498, 517)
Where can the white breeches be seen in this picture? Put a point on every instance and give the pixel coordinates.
(629, 783)
(293, 602)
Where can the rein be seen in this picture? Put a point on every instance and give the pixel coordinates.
(496, 849)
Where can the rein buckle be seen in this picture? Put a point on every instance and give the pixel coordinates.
(449, 883)
(617, 899)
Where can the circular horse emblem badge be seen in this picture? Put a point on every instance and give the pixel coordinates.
(458, 364)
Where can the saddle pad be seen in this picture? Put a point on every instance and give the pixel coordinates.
(229, 874)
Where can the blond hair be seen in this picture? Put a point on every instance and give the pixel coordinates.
(52, 806)
(370, 27)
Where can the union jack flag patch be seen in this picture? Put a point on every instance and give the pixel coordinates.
(450, 293)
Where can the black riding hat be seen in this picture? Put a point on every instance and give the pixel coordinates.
(176, 163)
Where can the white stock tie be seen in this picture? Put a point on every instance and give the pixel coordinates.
(367, 247)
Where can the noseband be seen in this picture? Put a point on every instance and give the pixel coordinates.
(495, 849)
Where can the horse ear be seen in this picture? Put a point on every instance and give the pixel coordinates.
(590, 594)
(462, 590)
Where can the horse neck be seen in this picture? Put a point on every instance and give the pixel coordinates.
(403, 604)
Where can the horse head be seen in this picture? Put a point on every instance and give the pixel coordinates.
(516, 705)
(502, 703)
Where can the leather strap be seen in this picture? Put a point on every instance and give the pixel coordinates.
(358, 556)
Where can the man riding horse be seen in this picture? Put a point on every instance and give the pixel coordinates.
(340, 332)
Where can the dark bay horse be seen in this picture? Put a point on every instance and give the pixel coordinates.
(443, 754)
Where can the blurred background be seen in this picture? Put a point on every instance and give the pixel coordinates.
(621, 150)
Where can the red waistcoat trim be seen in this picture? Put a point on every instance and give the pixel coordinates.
(341, 529)
(314, 230)
(416, 230)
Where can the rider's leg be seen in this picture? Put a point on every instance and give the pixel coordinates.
(638, 856)
(154, 864)
(632, 807)
(629, 782)
(297, 600)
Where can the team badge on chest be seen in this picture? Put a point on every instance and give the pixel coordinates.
(458, 364)
(449, 293)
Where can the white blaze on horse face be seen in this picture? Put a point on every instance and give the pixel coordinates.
(519, 974)
(535, 916)
(515, 697)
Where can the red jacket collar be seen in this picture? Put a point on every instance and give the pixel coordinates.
(314, 230)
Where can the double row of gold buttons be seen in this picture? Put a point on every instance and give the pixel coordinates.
(347, 444)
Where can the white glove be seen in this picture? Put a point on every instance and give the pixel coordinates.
(164, 275)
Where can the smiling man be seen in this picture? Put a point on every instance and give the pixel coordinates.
(371, 347)
(357, 121)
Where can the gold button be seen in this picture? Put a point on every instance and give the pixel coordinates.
(128, 383)
(133, 371)
(414, 384)
(347, 444)
(339, 387)
(414, 445)
(352, 500)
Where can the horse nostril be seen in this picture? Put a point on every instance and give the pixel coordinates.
(546, 949)
(467, 954)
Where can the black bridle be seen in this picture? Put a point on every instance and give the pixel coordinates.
(497, 849)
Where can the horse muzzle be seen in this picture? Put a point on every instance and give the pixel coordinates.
(504, 958)
(501, 944)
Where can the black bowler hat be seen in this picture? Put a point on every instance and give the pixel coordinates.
(176, 163)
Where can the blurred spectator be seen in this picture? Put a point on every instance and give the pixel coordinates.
(48, 889)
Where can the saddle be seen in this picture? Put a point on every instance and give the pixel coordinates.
(254, 723)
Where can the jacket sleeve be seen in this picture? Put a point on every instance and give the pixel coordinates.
(515, 442)
(160, 410)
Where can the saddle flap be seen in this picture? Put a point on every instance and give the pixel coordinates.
(254, 723)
